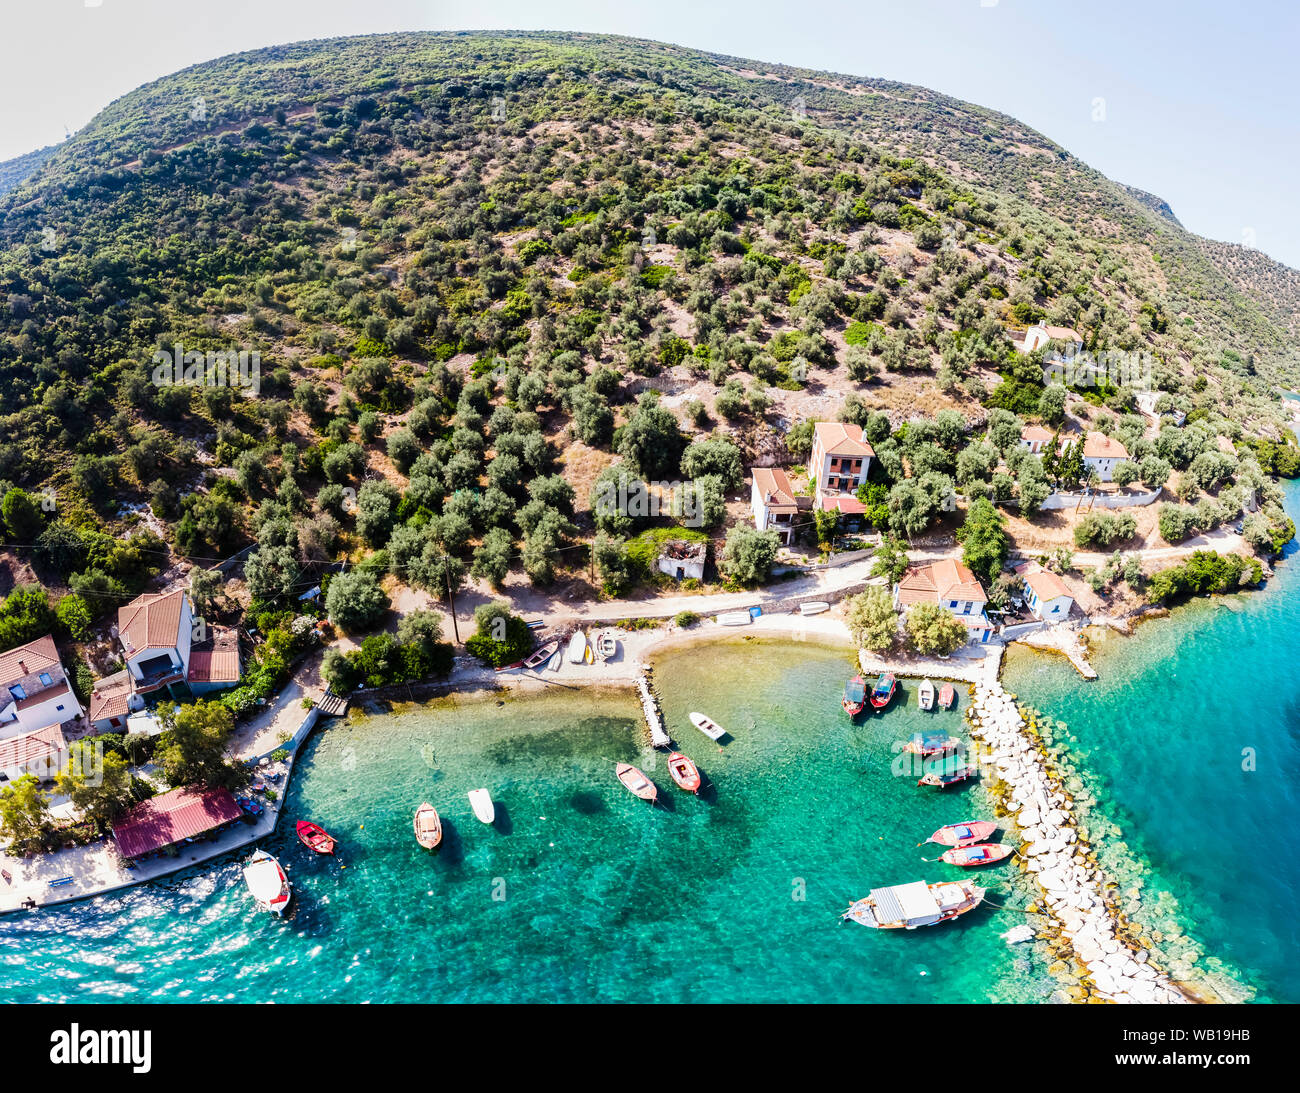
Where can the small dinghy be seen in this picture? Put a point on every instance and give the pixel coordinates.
(481, 801)
(267, 883)
(428, 827)
(578, 648)
(947, 696)
(945, 779)
(925, 695)
(709, 727)
(636, 782)
(542, 654)
(735, 618)
(606, 645)
(816, 607)
(980, 854)
(964, 834)
(685, 773)
(315, 837)
(557, 658)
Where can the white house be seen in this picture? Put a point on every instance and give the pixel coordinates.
(165, 646)
(683, 558)
(1035, 438)
(950, 584)
(1040, 334)
(1045, 593)
(773, 501)
(1101, 453)
(36, 702)
(840, 460)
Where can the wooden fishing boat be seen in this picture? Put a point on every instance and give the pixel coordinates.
(636, 782)
(267, 883)
(428, 827)
(315, 837)
(815, 607)
(855, 696)
(606, 645)
(927, 744)
(964, 834)
(577, 648)
(942, 780)
(481, 801)
(542, 654)
(557, 658)
(907, 906)
(685, 773)
(709, 727)
(947, 696)
(925, 695)
(883, 691)
(979, 854)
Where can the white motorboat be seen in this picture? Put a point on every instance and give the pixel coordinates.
(815, 607)
(734, 618)
(925, 695)
(708, 726)
(267, 883)
(907, 906)
(481, 801)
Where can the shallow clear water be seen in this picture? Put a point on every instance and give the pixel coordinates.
(580, 891)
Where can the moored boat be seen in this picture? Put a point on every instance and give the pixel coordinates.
(481, 801)
(708, 726)
(883, 691)
(636, 782)
(927, 744)
(947, 696)
(963, 834)
(735, 618)
(685, 773)
(944, 779)
(315, 837)
(577, 648)
(267, 883)
(814, 607)
(925, 695)
(907, 906)
(979, 854)
(542, 654)
(428, 826)
(606, 645)
(855, 696)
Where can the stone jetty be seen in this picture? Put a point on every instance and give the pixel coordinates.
(1115, 968)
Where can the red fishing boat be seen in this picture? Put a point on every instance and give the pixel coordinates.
(972, 831)
(947, 696)
(315, 837)
(982, 854)
(636, 782)
(883, 690)
(855, 696)
(685, 773)
(927, 744)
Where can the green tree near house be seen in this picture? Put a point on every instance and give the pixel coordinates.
(984, 539)
(192, 749)
(934, 631)
(748, 555)
(890, 560)
(825, 523)
(100, 786)
(25, 814)
(872, 620)
(500, 638)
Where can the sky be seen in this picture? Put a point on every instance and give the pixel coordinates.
(1192, 100)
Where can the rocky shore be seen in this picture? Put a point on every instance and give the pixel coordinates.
(1111, 963)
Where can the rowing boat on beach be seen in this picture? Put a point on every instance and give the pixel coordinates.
(481, 801)
(542, 654)
(685, 773)
(606, 645)
(734, 618)
(708, 726)
(907, 906)
(925, 695)
(636, 782)
(814, 607)
(578, 648)
(557, 658)
(980, 854)
(428, 826)
(964, 834)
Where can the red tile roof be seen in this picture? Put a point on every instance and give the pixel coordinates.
(1047, 585)
(1035, 432)
(173, 816)
(842, 438)
(774, 488)
(946, 579)
(151, 621)
(111, 697)
(1101, 446)
(845, 503)
(26, 660)
(17, 750)
(216, 660)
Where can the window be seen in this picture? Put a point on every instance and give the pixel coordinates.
(17, 691)
(58, 709)
(952, 605)
(45, 678)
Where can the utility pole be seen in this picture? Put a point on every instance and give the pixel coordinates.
(451, 599)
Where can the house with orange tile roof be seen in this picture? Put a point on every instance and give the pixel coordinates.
(1045, 593)
(36, 702)
(1035, 438)
(1040, 334)
(773, 502)
(1101, 453)
(837, 466)
(949, 584)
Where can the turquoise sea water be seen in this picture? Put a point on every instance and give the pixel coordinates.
(581, 892)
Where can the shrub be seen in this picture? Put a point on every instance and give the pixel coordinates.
(686, 619)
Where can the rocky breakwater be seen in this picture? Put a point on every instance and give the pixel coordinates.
(1113, 966)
